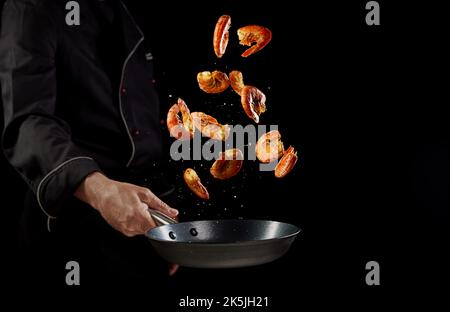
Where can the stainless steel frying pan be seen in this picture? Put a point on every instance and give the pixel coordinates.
(220, 243)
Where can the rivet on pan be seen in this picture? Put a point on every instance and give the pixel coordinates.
(172, 235)
(193, 232)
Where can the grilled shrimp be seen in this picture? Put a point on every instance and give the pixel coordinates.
(210, 127)
(180, 128)
(248, 35)
(253, 101)
(195, 185)
(269, 147)
(221, 35)
(237, 81)
(228, 164)
(213, 82)
(286, 163)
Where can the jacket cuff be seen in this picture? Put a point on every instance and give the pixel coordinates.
(60, 184)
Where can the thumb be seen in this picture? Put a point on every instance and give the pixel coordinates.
(154, 202)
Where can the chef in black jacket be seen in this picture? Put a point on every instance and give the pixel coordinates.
(82, 118)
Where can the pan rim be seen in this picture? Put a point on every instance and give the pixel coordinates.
(297, 231)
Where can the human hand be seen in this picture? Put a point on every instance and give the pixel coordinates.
(124, 206)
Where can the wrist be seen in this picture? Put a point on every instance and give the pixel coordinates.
(90, 189)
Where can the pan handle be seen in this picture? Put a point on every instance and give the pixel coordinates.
(160, 218)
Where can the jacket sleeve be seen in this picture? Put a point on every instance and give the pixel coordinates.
(35, 141)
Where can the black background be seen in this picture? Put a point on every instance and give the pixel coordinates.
(364, 107)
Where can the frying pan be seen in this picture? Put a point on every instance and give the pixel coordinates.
(220, 243)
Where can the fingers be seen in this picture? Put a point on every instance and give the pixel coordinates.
(139, 223)
(154, 202)
(126, 210)
(146, 221)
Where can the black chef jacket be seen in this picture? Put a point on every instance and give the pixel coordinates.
(77, 99)
(64, 115)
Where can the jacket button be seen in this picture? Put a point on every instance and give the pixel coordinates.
(124, 90)
(135, 132)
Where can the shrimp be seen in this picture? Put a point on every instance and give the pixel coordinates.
(180, 128)
(228, 164)
(215, 82)
(237, 81)
(221, 35)
(287, 163)
(269, 147)
(253, 101)
(195, 185)
(254, 34)
(210, 127)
